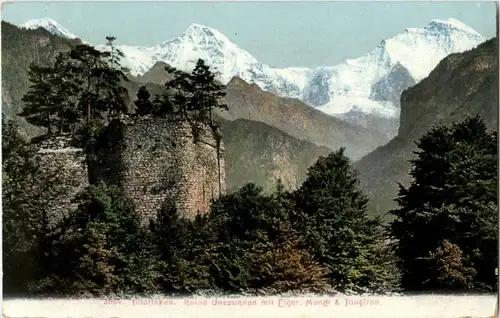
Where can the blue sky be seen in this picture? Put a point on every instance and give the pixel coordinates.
(280, 34)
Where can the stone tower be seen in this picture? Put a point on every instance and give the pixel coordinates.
(155, 160)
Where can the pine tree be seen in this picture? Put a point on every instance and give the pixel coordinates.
(65, 90)
(452, 197)
(256, 246)
(144, 106)
(182, 92)
(183, 249)
(197, 94)
(39, 109)
(446, 269)
(207, 93)
(114, 74)
(18, 224)
(331, 214)
(28, 190)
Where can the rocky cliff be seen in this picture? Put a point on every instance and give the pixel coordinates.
(461, 85)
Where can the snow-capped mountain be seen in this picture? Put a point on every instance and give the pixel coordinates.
(224, 57)
(408, 56)
(49, 25)
(370, 84)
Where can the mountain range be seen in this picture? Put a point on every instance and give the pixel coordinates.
(460, 84)
(364, 90)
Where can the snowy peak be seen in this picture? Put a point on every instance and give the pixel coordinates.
(197, 31)
(199, 41)
(451, 24)
(420, 49)
(49, 25)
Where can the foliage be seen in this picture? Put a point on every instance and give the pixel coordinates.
(257, 248)
(182, 249)
(446, 268)
(144, 106)
(453, 196)
(160, 106)
(100, 249)
(28, 193)
(18, 228)
(331, 214)
(207, 93)
(77, 92)
(195, 95)
(20, 47)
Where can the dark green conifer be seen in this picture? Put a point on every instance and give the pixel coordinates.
(453, 197)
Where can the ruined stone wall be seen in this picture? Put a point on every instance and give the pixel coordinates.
(155, 160)
(64, 175)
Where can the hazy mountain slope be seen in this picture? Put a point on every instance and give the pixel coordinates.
(367, 85)
(461, 85)
(299, 120)
(258, 153)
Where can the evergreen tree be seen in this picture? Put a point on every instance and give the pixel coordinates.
(65, 90)
(197, 94)
(163, 107)
(452, 196)
(331, 214)
(144, 105)
(256, 246)
(182, 92)
(114, 74)
(183, 247)
(39, 109)
(446, 269)
(50, 102)
(207, 93)
(18, 225)
(29, 189)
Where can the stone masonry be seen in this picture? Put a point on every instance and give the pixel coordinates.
(155, 160)
(65, 174)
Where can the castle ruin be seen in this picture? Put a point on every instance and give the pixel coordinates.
(153, 160)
